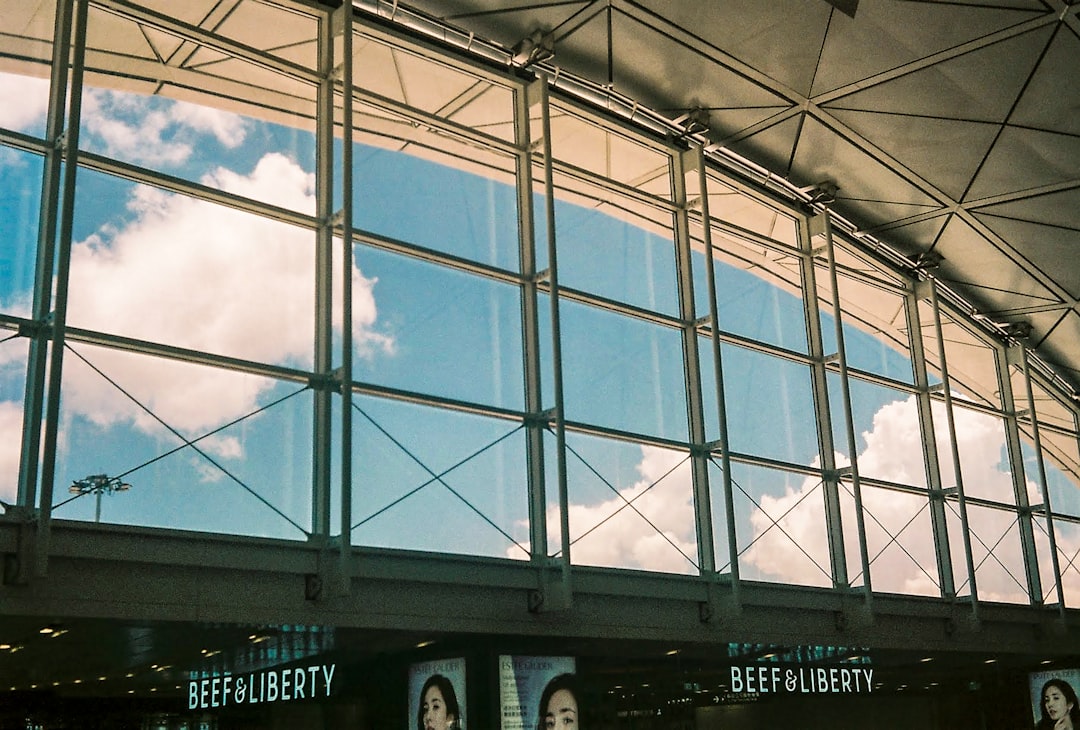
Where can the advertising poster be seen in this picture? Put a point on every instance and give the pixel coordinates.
(1053, 697)
(522, 681)
(442, 683)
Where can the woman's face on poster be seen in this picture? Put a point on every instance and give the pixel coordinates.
(1057, 706)
(434, 709)
(562, 711)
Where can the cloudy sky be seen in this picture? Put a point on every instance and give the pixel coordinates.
(159, 266)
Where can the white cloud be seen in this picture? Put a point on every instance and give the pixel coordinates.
(24, 100)
(166, 135)
(202, 276)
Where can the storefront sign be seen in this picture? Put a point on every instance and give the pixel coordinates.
(272, 685)
(765, 679)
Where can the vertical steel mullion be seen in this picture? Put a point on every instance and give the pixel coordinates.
(849, 421)
(530, 326)
(556, 343)
(63, 268)
(1017, 354)
(721, 397)
(345, 217)
(38, 356)
(955, 448)
(679, 167)
(830, 487)
(324, 282)
(936, 494)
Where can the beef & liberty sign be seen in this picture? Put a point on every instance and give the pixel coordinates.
(802, 680)
(272, 685)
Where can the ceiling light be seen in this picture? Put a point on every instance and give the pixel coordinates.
(422, 644)
(926, 659)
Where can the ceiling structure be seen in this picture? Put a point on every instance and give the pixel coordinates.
(949, 126)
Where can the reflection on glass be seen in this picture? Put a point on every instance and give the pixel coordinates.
(24, 101)
(168, 268)
(972, 362)
(770, 407)
(189, 441)
(875, 328)
(1067, 535)
(1045, 560)
(995, 547)
(631, 506)
(730, 205)
(780, 525)
(447, 333)
(20, 200)
(430, 479)
(622, 373)
(718, 506)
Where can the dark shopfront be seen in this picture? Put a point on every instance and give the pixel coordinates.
(104, 675)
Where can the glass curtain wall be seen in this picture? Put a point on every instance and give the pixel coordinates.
(280, 272)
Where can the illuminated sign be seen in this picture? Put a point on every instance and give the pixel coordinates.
(527, 682)
(765, 679)
(272, 685)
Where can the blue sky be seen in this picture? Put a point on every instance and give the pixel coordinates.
(183, 272)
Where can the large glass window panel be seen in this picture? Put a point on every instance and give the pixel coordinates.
(631, 506)
(622, 373)
(995, 546)
(899, 540)
(1049, 409)
(26, 35)
(731, 205)
(780, 526)
(757, 291)
(426, 83)
(984, 460)
(215, 122)
(414, 194)
(20, 201)
(1045, 560)
(202, 448)
(1067, 535)
(603, 151)
(431, 479)
(173, 269)
(280, 30)
(770, 406)
(971, 360)
(719, 509)
(441, 331)
(887, 432)
(605, 249)
(13, 353)
(875, 327)
(1062, 464)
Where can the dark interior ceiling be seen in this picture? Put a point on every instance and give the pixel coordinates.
(950, 126)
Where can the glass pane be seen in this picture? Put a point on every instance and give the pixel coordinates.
(426, 198)
(168, 268)
(20, 200)
(899, 539)
(780, 523)
(461, 339)
(730, 205)
(430, 479)
(995, 547)
(622, 373)
(972, 361)
(984, 461)
(770, 406)
(1062, 463)
(718, 506)
(188, 440)
(279, 30)
(1045, 560)
(605, 152)
(757, 292)
(631, 506)
(1049, 409)
(887, 431)
(875, 326)
(24, 70)
(605, 250)
(1067, 535)
(13, 353)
